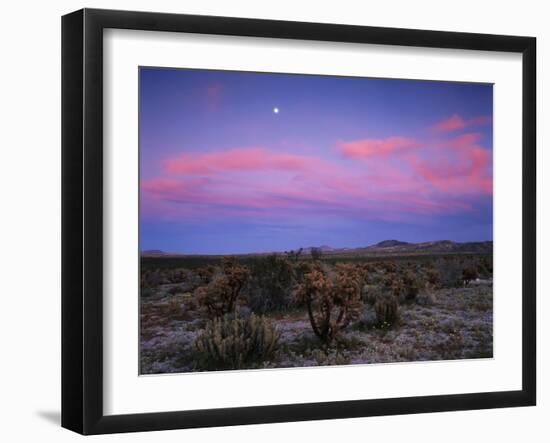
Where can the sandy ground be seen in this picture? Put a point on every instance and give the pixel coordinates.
(458, 324)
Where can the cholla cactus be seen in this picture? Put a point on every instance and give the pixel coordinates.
(332, 303)
(393, 284)
(220, 296)
(302, 268)
(234, 343)
(387, 310)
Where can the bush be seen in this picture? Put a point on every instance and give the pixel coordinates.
(370, 293)
(450, 272)
(206, 273)
(294, 256)
(330, 357)
(393, 284)
(332, 303)
(316, 254)
(433, 277)
(427, 296)
(301, 269)
(146, 292)
(270, 284)
(389, 267)
(175, 309)
(387, 310)
(173, 290)
(487, 265)
(220, 296)
(411, 286)
(151, 279)
(234, 343)
(469, 274)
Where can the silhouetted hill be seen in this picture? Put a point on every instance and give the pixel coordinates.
(394, 247)
(390, 243)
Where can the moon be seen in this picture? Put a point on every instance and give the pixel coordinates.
(275, 110)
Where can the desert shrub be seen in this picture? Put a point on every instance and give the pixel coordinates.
(370, 293)
(294, 256)
(316, 254)
(146, 292)
(301, 269)
(170, 276)
(234, 342)
(426, 297)
(387, 310)
(220, 296)
(367, 320)
(450, 272)
(331, 357)
(389, 266)
(162, 313)
(393, 284)
(369, 267)
(190, 301)
(332, 302)
(270, 284)
(205, 273)
(375, 277)
(151, 279)
(469, 274)
(481, 269)
(488, 265)
(484, 267)
(173, 290)
(411, 285)
(175, 275)
(174, 310)
(432, 277)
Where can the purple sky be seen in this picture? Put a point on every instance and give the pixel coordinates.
(235, 162)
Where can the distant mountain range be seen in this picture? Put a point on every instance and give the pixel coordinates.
(391, 247)
(432, 246)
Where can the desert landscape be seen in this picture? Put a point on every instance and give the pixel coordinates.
(295, 220)
(389, 302)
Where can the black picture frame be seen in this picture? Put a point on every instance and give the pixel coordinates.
(82, 218)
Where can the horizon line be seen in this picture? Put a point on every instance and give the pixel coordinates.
(161, 251)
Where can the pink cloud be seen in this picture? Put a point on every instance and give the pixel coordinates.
(367, 148)
(463, 141)
(214, 196)
(331, 196)
(240, 160)
(456, 122)
(461, 166)
(450, 124)
(326, 196)
(397, 177)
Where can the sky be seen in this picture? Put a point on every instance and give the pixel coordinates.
(239, 162)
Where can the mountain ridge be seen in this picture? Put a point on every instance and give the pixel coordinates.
(383, 247)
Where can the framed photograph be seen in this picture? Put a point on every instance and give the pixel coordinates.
(268, 221)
